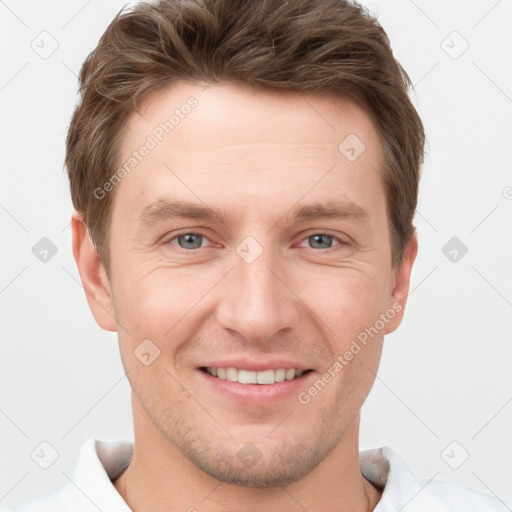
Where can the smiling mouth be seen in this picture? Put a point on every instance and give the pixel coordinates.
(253, 377)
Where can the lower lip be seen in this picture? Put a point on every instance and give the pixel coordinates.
(257, 394)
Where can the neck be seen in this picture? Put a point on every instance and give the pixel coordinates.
(160, 478)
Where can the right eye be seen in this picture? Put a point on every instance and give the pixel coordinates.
(188, 241)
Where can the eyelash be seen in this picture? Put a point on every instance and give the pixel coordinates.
(328, 233)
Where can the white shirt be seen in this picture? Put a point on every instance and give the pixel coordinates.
(101, 462)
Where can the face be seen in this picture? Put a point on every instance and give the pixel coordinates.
(251, 275)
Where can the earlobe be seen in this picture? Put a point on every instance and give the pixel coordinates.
(92, 274)
(402, 278)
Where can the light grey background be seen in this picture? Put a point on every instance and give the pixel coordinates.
(445, 374)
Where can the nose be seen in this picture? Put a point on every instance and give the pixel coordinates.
(257, 299)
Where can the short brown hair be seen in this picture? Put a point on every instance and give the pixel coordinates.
(333, 47)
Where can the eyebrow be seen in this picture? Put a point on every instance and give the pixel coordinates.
(164, 209)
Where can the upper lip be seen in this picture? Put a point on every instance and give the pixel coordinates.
(252, 364)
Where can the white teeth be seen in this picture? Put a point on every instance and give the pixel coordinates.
(280, 375)
(232, 374)
(246, 377)
(290, 374)
(265, 377)
(252, 377)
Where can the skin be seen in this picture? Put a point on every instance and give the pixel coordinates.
(255, 157)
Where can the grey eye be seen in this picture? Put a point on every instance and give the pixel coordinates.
(191, 241)
(321, 239)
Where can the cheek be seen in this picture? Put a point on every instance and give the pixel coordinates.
(166, 306)
(349, 301)
(355, 345)
(157, 298)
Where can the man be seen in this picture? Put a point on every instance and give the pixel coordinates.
(245, 175)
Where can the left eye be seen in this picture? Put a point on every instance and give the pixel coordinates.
(319, 240)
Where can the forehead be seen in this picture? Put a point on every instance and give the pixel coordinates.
(247, 115)
(231, 143)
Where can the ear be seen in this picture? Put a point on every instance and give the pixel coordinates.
(401, 282)
(92, 273)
